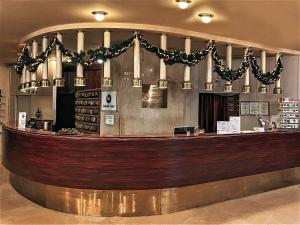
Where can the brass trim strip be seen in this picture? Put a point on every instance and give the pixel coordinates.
(89, 202)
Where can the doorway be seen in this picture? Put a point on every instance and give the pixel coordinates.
(216, 107)
(65, 98)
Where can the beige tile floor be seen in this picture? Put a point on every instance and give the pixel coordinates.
(280, 206)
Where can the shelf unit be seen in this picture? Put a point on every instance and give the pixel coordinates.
(87, 111)
(289, 113)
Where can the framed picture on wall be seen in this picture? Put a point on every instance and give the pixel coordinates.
(245, 108)
(254, 108)
(263, 108)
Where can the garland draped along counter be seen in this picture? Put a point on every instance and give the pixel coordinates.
(134, 176)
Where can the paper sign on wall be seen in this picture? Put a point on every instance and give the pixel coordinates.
(109, 101)
(22, 120)
(235, 122)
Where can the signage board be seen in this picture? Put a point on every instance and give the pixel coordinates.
(22, 120)
(109, 101)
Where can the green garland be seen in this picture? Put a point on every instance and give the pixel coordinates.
(170, 57)
(228, 74)
(265, 78)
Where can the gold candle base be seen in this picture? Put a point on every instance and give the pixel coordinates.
(79, 81)
(246, 89)
(34, 84)
(27, 85)
(228, 87)
(59, 82)
(262, 90)
(277, 90)
(162, 84)
(107, 82)
(208, 87)
(187, 85)
(45, 83)
(137, 82)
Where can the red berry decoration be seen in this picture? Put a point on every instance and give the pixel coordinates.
(166, 58)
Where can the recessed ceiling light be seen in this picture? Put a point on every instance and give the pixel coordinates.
(99, 15)
(206, 17)
(183, 4)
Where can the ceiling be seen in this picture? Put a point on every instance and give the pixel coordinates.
(268, 22)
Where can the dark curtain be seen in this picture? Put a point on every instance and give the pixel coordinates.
(212, 108)
(65, 111)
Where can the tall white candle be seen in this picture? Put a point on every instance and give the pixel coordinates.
(277, 84)
(187, 71)
(58, 59)
(80, 47)
(23, 76)
(209, 68)
(45, 64)
(27, 76)
(263, 63)
(163, 45)
(229, 58)
(247, 73)
(106, 66)
(34, 55)
(136, 59)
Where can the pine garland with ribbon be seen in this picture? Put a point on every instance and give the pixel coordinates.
(173, 56)
(107, 53)
(170, 57)
(229, 74)
(265, 78)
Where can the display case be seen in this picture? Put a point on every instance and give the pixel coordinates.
(87, 111)
(289, 113)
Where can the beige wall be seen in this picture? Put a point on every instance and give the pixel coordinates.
(4, 86)
(182, 109)
(30, 103)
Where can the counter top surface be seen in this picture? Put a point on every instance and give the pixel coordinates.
(13, 126)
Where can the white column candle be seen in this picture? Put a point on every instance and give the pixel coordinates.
(34, 55)
(263, 63)
(28, 73)
(187, 71)
(106, 65)
(209, 68)
(45, 64)
(58, 59)
(80, 47)
(163, 45)
(136, 60)
(23, 76)
(229, 58)
(277, 84)
(247, 73)
(27, 76)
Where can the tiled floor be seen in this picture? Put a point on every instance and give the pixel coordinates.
(281, 206)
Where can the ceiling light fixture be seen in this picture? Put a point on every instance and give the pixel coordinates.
(99, 15)
(183, 4)
(206, 17)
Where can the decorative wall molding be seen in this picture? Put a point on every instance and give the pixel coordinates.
(157, 29)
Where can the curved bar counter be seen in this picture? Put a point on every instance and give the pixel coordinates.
(133, 176)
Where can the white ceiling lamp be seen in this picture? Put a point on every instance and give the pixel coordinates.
(183, 4)
(206, 17)
(99, 15)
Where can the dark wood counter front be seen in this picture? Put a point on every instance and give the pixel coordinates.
(131, 163)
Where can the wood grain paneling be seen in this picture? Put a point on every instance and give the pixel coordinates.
(145, 162)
